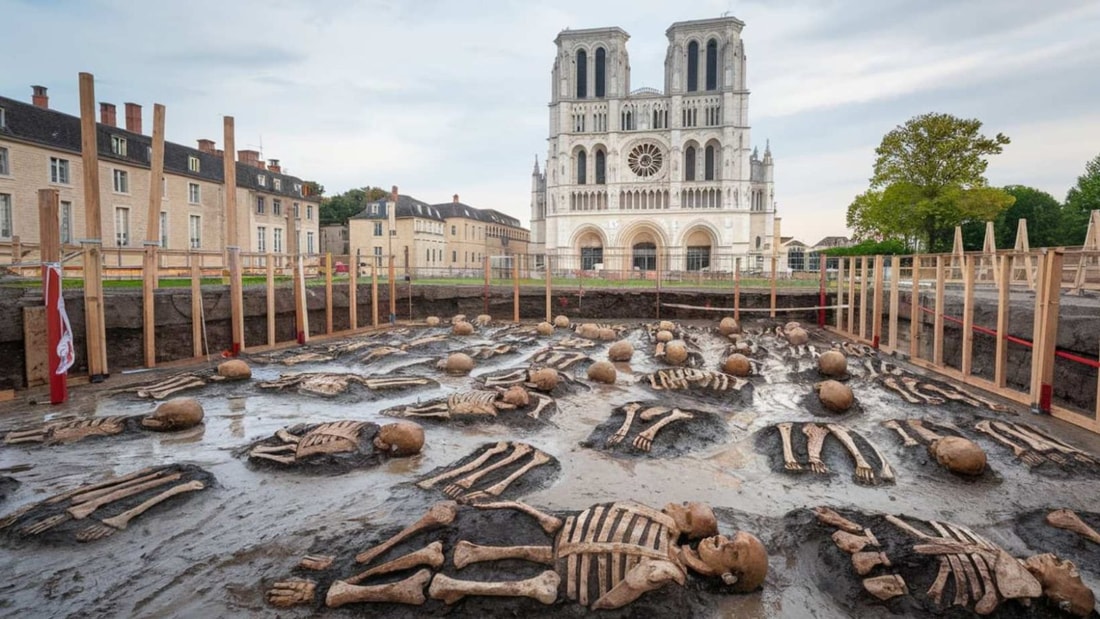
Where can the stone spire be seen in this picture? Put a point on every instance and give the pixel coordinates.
(536, 172)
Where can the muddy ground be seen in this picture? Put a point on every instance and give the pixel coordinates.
(215, 554)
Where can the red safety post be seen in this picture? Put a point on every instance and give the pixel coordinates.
(59, 337)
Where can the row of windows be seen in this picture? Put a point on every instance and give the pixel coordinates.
(710, 75)
(691, 172)
(629, 120)
(118, 147)
(711, 66)
(277, 208)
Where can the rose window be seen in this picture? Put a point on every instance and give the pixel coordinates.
(645, 159)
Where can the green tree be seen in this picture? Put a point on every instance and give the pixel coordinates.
(928, 178)
(337, 209)
(1081, 200)
(313, 188)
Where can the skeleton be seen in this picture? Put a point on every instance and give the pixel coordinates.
(330, 384)
(173, 385)
(67, 431)
(1032, 446)
(644, 439)
(1069, 521)
(471, 481)
(913, 390)
(907, 440)
(523, 377)
(380, 351)
(326, 438)
(141, 490)
(574, 342)
(560, 360)
(864, 472)
(688, 378)
(816, 435)
(475, 403)
(488, 352)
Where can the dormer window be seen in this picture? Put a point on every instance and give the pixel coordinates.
(193, 163)
(118, 145)
(278, 184)
(261, 180)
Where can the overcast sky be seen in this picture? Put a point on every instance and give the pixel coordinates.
(443, 97)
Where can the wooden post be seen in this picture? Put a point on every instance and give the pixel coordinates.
(914, 311)
(270, 258)
(301, 319)
(1022, 251)
(374, 294)
(95, 327)
(515, 288)
(822, 279)
(863, 297)
(196, 307)
(657, 264)
(937, 325)
(989, 252)
(876, 319)
(1003, 300)
(895, 301)
(49, 238)
(353, 292)
(852, 295)
(968, 316)
(957, 254)
(1046, 336)
(775, 275)
(328, 293)
(1089, 251)
(392, 274)
(737, 290)
(152, 238)
(549, 286)
(485, 292)
(232, 238)
(839, 293)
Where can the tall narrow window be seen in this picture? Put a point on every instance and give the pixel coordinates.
(5, 167)
(693, 66)
(582, 168)
(261, 238)
(278, 240)
(309, 242)
(195, 231)
(194, 193)
(582, 74)
(689, 163)
(5, 216)
(163, 230)
(122, 181)
(708, 163)
(66, 216)
(59, 171)
(601, 167)
(601, 71)
(712, 65)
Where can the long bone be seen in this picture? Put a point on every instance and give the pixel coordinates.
(79, 512)
(466, 553)
(815, 436)
(118, 523)
(912, 385)
(906, 440)
(440, 514)
(1042, 446)
(644, 440)
(94, 494)
(1070, 521)
(538, 459)
(408, 591)
(955, 395)
(928, 435)
(549, 523)
(830, 517)
(543, 402)
(789, 461)
(864, 472)
(935, 591)
(389, 383)
(1028, 457)
(500, 447)
(885, 471)
(543, 588)
(1058, 444)
(110, 483)
(892, 383)
(519, 450)
(430, 555)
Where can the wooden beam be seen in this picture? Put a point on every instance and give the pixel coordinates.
(353, 292)
(1003, 299)
(775, 276)
(196, 308)
(95, 328)
(863, 297)
(1022, 250)
(968, 316)
(737, 290)
(152, 238)
(851, 295)
(957, 254)
(549, 286)
(876, 322)
(937, 328)
(374, 293)
(895, 301)
(989, 252)
(515, 288)
(914, 310)
(393, 288)
(232, 239)
(1046, 334)
(270, 259)
(328, 293)
(839, 292)
(46, 350)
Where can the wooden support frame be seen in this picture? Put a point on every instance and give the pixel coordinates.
(937, 328)
(851, 296)
(737, 290)
(969, 272)
(196, 309)
(775, 277)
(270, 264)
(863, 297)
(1045, 336)
(49, 250)
(515, 288)
(914, 310)
(895, 301)
(232, 238)
(876, 321)
(374, 294)
(95, 328)
(152, 239)
(958, 254)
(328, 293)
(549, 289)
(353, 293)
(1000, 362)
(989, 252)
(839, 293)
(1022, 251)
(392, 274)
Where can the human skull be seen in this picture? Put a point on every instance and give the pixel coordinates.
(1062, 584)
(516, 396)
(741, 562)
(695, 520)
(174, 414)
(544, 379)
(402, 438)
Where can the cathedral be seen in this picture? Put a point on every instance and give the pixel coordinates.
(645, 179)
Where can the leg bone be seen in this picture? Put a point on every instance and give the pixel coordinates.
(543, 588)
(549, 523)
(466, 553)
(789, 461)
(430, 555)
(466, 468)
(409, 591)
(440, 514)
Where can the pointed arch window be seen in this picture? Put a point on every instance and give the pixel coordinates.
(582, 74)
(712, 65)
(601, 167)
(689, 163)
(601, 72)
(693, 66)
(708, 163)
(582, 168)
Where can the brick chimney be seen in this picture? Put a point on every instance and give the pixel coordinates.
(249, 157)
(133, 118)
(273, 165)
(107, 114)
(206, 146)
(39, 98)
(393, 194)
(455, 198)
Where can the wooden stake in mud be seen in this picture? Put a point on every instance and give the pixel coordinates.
(737, 289)
(876, 318)
(1003, 300)
(1046, 336)
(821, 294)
(353, 292)
(914, 310)
(485, 290)
(549, 289)
(392, 273)
(328, 293)
(49, 234)
(775, 277)
(969, 273)
(515, 288)
(374, 294)
(232, 240)
(852, 295)
(152, 237)
(895, 301)
(839, 293)
(196, 308)
(270, 259)
(863, 298)
(657, 264)
(937, 325)
(95, 328)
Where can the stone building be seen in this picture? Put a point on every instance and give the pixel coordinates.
(41, 148)
(634, 176)
(446, 239)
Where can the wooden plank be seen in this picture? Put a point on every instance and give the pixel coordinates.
(863, 297)
(775, 276)
(549, 286)
(1000, 368)
(989, 252)
(876, 318)
(914, 310)
(895, 301)
(232, 238)
(515, 288)
(1051, 303)
(353, 292)
(374, 294)
(839, 292)
(148, 317)
(270, 259)
(49, 252)
(196, 307)
(737, 290)
(328, 293)
(851, 296)
(968, 316)
(957, 254)
(36, 346)
(302, 309)
(393, 288)
(1037, 330)
(94, 319)
(937, 328)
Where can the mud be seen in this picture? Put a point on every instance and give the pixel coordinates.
(216, 554)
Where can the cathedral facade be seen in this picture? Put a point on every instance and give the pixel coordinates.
(645, 179)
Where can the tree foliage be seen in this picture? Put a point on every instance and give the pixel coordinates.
(1082, 199)
(888, 247)
(1041, 210)
(928, 178)
(337, 209)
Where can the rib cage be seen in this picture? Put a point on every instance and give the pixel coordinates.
(334, 437)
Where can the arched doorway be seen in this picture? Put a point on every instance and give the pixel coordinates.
(644, 256)
(699, 244)
(590, 247)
